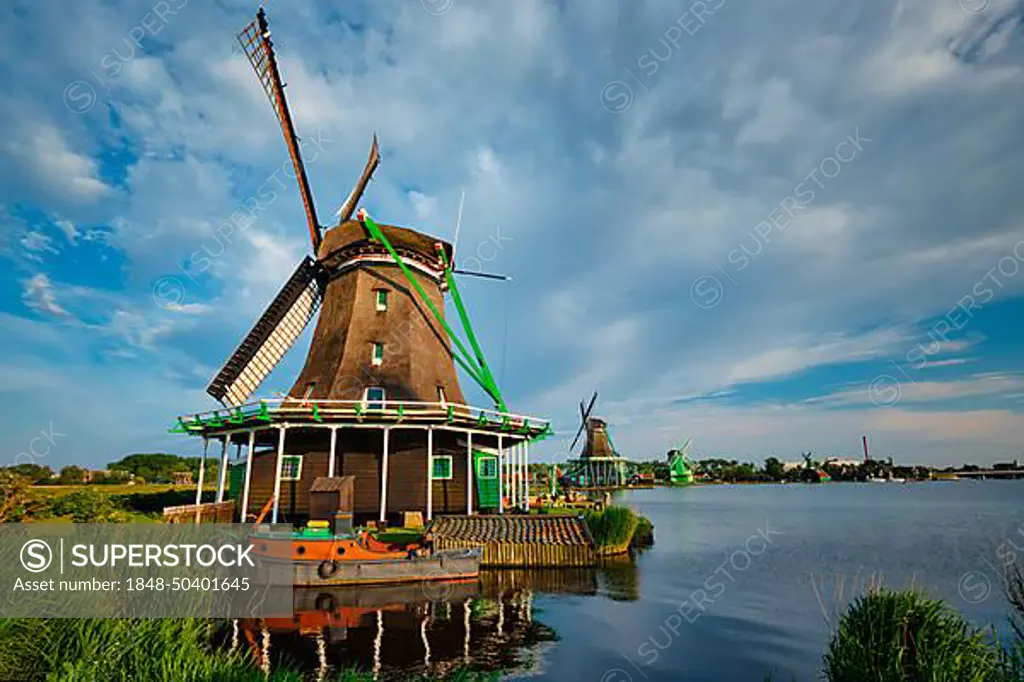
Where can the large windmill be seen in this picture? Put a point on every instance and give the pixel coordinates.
(379, 381)
(600, 465)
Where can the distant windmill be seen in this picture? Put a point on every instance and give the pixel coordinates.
(680, 467)
(600, 465)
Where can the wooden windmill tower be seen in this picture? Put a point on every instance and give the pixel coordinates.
(600, 465)
(379, 382)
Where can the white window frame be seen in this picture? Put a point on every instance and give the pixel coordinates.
(377, 404)
(441, 397)
(380, 305)
(374, 360)
(298, 470)
(451, 468)
(493, 458)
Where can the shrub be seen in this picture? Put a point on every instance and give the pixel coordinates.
(87, 506)
(611, 527)
(904, 637)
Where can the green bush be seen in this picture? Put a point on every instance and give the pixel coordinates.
(611, 527)
(87, 506)
(904, 637)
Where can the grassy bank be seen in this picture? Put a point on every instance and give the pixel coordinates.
(170, 650)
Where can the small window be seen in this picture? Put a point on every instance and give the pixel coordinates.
(382, 299)
(377, 358)
(291, 467)
(374, 398)
(488, 467)
(442, 467)
(441, 397)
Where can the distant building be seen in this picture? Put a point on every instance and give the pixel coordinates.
(844, 462)
(181, 478)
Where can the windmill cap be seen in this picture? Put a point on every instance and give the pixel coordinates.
(353, 234)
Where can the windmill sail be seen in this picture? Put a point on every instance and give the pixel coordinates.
(349, 207)
(255, 41)
(273, 335)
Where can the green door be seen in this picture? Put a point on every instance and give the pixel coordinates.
(236, 479)
(485, 472)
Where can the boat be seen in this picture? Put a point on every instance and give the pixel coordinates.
(317, 557)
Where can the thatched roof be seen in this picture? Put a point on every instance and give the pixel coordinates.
(548, 530)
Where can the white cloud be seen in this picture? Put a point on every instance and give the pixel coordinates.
(38, 295)
(44, 153)
(788, 360)
(36, 244)
(69, 230)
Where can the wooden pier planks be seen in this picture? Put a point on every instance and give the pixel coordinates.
(518, 540)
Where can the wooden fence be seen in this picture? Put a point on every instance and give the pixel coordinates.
(210, 512)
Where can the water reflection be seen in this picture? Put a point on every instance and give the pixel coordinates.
(405, 631)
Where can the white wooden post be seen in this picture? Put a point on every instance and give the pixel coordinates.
(512, 495)
(526, 463)
(248, 475)
(501, 478)
(277, 472)
(384, 478)
(223, 469)
(334, 446)
(469, 474)
(522, 475)
(202, 470)
(430, 473)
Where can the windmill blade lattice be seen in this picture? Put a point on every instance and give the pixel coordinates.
(255, 42)
(271, 337)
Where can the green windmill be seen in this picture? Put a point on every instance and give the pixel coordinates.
(680, 467)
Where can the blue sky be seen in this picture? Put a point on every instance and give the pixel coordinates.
(772, 229)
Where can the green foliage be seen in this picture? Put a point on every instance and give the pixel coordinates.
(904, 637)
(15, 499)
(160, 467)
(774, 469)
(643, 536)
(34, 473)
(71, 475)
(72, 650)
(611, 527)
(87, 505)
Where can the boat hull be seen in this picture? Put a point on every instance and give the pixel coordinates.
(441, 565)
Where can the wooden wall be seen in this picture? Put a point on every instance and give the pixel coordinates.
(359, 455)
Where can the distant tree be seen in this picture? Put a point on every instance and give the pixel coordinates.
(34, 473)
(159, 467)
(774, 469)
(72, 475)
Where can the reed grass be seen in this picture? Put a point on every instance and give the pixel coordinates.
(168, 650)
(903, 636)
(612, 527)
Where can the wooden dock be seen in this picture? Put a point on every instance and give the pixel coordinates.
(519, 541)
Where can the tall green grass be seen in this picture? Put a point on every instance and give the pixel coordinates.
(169, 650)
(905, 637)
(612, 526)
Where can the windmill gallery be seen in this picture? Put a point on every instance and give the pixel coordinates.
(375, 428)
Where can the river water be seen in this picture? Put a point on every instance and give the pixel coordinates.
(742, 581)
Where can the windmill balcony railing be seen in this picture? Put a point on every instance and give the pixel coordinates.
(297, 412)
